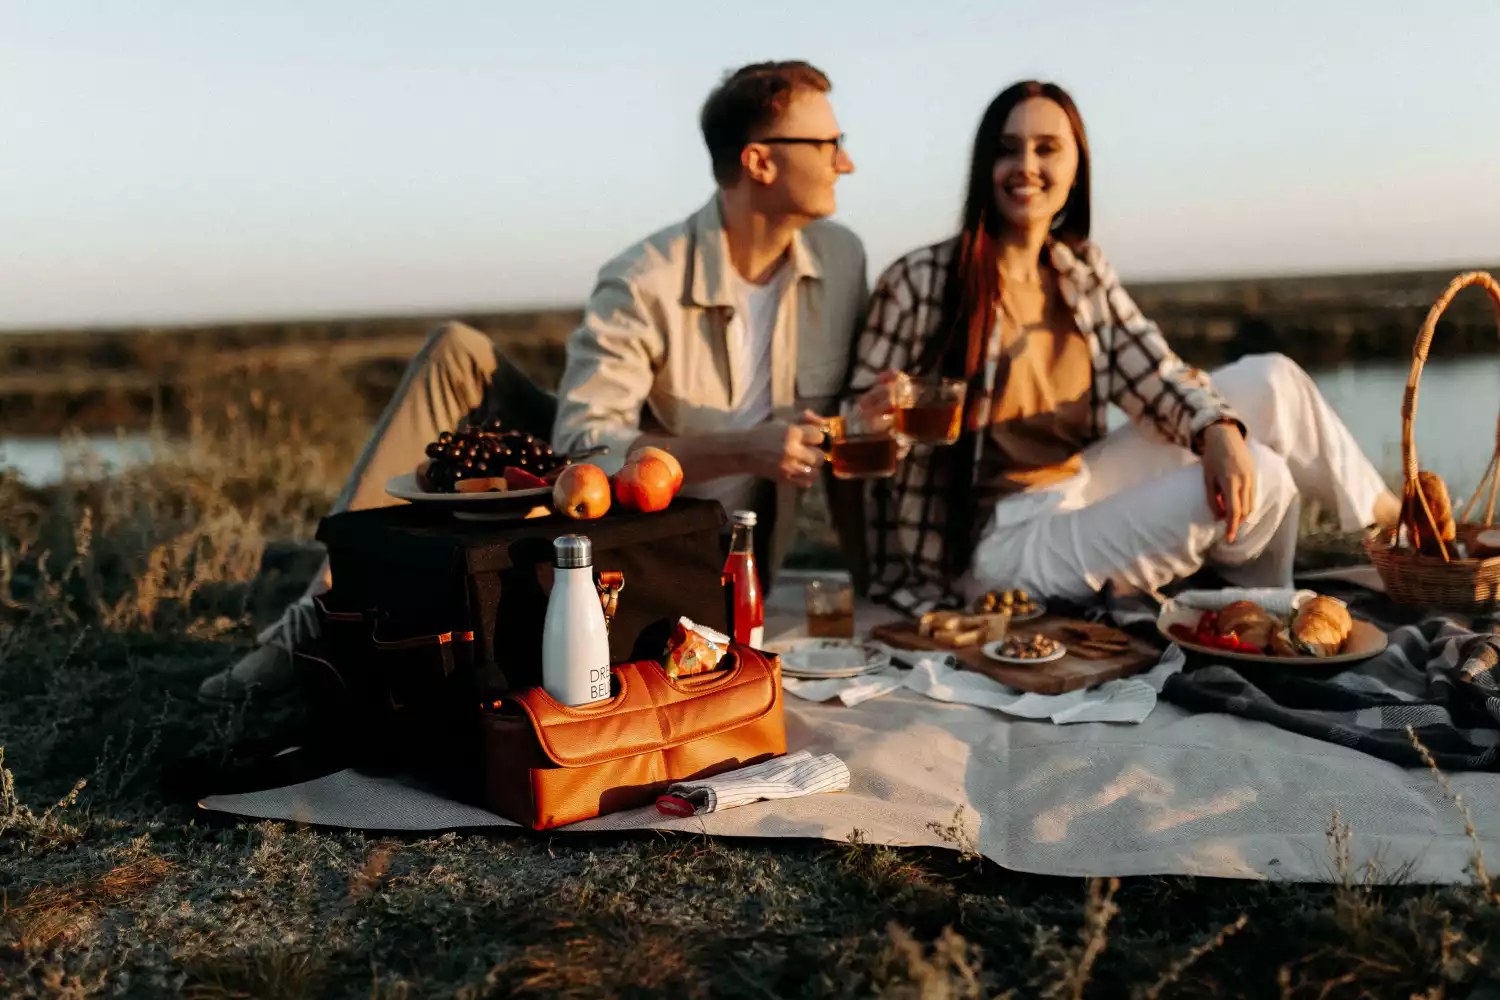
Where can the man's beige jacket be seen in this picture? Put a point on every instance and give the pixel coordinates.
(652, 353)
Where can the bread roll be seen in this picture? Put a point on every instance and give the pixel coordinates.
(1322, 626)
(1248, 622)
(1424, 534)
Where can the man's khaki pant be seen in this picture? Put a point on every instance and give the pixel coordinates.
(457, 374)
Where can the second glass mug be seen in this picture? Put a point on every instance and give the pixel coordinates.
(929, 411)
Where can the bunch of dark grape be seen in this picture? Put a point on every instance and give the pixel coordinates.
(475, 452)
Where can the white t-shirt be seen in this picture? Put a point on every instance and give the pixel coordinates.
(749, 333)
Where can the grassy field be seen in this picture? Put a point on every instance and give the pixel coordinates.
(117, 597)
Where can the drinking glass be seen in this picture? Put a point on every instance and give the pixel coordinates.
(830, 608)
(862, 445)
(930, 411)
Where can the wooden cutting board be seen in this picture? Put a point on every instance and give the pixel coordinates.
(1058, 677)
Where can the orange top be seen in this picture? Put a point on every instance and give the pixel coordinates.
(1041, 417)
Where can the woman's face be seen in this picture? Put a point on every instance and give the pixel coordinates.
(1038, 162)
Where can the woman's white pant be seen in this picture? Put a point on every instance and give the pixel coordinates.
(1138, 515)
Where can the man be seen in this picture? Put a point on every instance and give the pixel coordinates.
(714, 338)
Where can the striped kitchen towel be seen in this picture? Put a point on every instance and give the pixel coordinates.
(787, 777)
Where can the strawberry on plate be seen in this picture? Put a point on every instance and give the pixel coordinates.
(520, 479)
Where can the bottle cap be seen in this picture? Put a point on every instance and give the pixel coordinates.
(573, 551)
(744, 517)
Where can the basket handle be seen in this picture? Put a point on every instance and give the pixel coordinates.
(1410, 487)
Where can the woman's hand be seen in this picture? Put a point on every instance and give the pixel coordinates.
(884, 396)
(1228, 475)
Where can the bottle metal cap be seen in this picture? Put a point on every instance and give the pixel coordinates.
(744, 517)
(573, 551)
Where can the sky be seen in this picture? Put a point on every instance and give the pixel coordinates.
(200, 160)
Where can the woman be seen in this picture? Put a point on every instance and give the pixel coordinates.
(1035, 495)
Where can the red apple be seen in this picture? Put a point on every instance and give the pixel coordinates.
(644, 484)
(581, 492)
(665, 456)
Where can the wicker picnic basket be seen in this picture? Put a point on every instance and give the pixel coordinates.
(1448, 580)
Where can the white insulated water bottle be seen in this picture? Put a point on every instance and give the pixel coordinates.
(575, 643)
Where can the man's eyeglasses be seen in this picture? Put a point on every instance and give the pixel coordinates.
(837, 142)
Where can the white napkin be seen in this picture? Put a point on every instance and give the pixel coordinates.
(1128, 699)
(849, 690)
(787, 777)
(1279, 601)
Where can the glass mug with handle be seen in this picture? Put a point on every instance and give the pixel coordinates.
(929, 411)
(861, 444)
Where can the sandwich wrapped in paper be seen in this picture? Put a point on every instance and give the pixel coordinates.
(693, 649)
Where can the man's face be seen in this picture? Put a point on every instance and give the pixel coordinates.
(797, 178)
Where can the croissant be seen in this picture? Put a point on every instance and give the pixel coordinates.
(1248, 622)
(1425, 533)
(1322, 626)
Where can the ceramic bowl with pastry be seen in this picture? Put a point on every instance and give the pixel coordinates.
(1320, 632)
(1017, 603)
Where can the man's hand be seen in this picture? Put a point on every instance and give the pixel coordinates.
(787, 453)
(1229, 476)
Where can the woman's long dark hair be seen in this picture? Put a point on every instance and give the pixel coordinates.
(972, 290)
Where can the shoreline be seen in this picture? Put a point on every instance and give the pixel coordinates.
(102, 378)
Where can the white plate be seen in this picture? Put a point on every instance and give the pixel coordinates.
(992, 650)
(1365, 640)
(473, 506)
(818, 658)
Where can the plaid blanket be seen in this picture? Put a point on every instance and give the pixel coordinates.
(1437, 677)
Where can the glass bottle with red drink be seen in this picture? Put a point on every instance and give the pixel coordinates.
(742, 600)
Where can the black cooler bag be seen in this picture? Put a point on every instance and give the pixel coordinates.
(431, 617)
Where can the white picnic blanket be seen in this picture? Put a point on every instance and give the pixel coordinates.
(1178, 793)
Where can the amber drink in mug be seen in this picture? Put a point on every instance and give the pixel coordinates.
(862, 446)
(930, 411)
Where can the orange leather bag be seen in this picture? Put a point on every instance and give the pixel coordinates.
(547, 765)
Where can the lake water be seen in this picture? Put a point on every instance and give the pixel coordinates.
(43, 460)
(1457, 411)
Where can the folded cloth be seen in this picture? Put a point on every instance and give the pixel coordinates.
(1129, 699)
(1279, 601)
(1436, 677)
(849, 690)
(787, 777)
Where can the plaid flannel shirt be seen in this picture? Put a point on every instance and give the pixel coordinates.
(1132, 367)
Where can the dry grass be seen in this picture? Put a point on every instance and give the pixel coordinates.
(118, 595)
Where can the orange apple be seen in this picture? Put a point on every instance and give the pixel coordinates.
(581, 492)
(665, 456)
(645, 484)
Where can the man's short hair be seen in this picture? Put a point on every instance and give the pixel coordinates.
(750, 99)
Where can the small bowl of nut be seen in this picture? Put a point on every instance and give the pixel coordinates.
(1026, 650)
